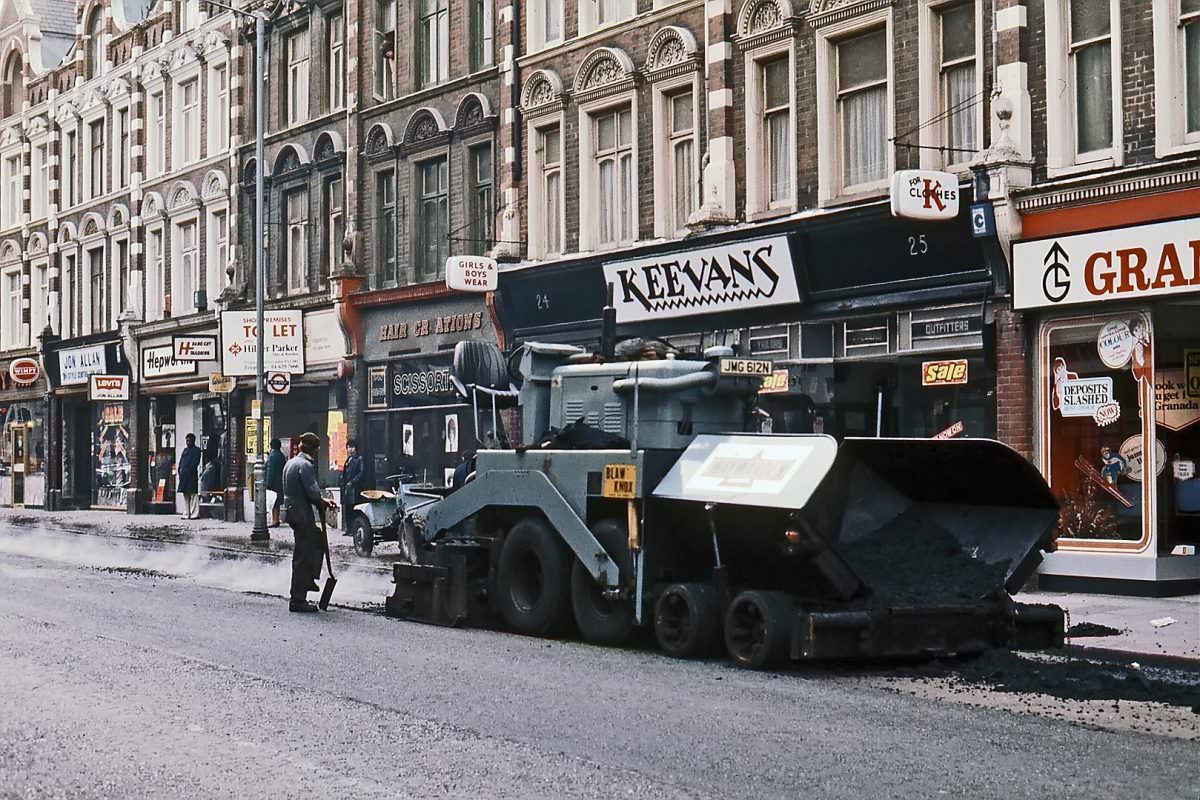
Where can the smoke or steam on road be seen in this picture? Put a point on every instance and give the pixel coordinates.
(236, 571)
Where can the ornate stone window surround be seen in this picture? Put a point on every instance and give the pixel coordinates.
(215, 59)
(293, 171)
(118, 224)
(153, 217)
(11, 146)
(829, 147)
(154, 80)
(930, 94)
(37, 131)
(604, 82)
(766, 29)
(425, 130)
(95, 109)
(11, 336)
(183, 207)
(672, 64)
(185, 67)
(543, 105)
(215, 196)
(92, 238)
(68, 161)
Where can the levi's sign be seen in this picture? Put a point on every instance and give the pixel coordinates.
(1159, 258)
(727, 277)
(924, 194)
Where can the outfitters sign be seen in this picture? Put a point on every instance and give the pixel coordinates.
(747, 274)
(1156, 259)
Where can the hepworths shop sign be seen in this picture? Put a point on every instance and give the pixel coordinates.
(748, 274)
(284, 342)
(1156, 259)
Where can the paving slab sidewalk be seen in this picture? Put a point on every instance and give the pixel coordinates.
(1175, 644)
(171, 528)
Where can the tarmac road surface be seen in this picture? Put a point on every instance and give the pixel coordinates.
(135, 684)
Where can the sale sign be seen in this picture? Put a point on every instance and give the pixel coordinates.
(944, 373)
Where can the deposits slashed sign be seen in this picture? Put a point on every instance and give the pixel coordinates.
(1155, 259)
(160, 362)
(283, 349)
(924, 194)
(76, 364)
(1083, 397)
(750, 274)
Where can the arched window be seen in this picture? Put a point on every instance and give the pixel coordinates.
(95, 51)
(14, 85)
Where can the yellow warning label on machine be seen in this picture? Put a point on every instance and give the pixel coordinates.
(620, 481)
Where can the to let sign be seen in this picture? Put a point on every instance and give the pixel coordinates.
(283, 337)
(924, 194)
(1151, 260)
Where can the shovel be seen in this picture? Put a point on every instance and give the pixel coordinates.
(331, 581)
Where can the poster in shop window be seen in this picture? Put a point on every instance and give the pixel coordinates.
(407, 446)
(451, 433)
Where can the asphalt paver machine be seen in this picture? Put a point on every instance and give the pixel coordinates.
(671, 514)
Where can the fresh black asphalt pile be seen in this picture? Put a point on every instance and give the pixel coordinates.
(912, 561)
(1085, 629)
(1005, 671)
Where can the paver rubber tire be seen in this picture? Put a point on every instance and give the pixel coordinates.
(532, 580)
(758, 629)
(687, 621)
(601, 620)
(362, 535)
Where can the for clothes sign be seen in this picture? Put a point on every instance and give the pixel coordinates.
(747, 274)
(283, 350)
(1159, 258)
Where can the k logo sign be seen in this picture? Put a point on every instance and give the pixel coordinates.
(1056, 280)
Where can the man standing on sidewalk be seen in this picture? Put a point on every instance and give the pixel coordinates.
(189, 478)
(302, 500)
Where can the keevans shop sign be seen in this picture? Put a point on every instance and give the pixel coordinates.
(924, 194)
(1160, 258)
(742, 275)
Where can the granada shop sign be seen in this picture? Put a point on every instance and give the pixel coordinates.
(739, 275)
(1149, 260)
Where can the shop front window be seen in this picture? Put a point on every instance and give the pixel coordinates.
(1097, 375)
(162, 450)
(23, 446)
(110, 455)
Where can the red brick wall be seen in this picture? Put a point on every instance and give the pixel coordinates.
(1014, 383)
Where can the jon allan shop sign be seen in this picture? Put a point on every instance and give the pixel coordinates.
(746, 274)
(1155, 259)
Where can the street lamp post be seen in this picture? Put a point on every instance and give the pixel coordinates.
(259, 533)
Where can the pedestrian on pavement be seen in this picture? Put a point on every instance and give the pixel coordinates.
(352, 477)
(302, 500)
(275, 461)
(189, 478)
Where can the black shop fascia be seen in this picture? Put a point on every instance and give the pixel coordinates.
(90, 464)
(853, 307)
(415, 422)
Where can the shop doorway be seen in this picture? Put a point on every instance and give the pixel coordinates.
(77, 455)
(1177, 424)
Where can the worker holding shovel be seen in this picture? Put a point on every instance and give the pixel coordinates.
(302, 499)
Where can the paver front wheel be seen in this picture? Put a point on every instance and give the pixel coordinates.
(758, 627)
(686, 621)
(362, 535)
(532, 580)
(602, 620)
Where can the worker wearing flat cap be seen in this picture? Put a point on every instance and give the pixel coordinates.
(303, 500)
